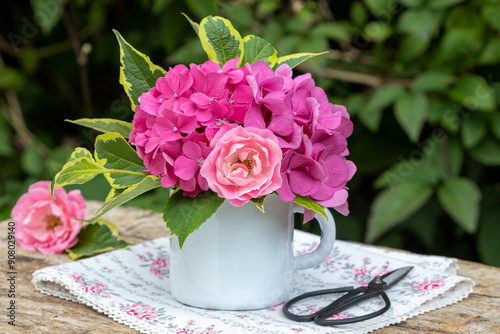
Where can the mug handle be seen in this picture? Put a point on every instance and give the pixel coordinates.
(328, 233)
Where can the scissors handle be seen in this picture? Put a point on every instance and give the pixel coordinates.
(356, 296)
(310, 317)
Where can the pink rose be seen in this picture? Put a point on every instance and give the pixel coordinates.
(46, 224)
(244, 163)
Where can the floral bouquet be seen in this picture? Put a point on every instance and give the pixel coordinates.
(237, 127)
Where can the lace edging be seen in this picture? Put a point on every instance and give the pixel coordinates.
(42, 281)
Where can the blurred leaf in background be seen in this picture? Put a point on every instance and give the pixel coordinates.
(420, 79)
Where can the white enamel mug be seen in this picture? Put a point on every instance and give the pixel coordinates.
(242, 259)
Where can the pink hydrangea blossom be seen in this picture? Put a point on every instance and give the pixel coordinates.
(46, 224)
(244, 164)
(179, 118)
(176, 120)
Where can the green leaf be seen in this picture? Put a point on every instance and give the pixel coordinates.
(394, 205)
(46, 13)
(491, 52)
(413, 170)
(159, 6)
(371, 118)
(106, 125)
(381, 8)
(459, 41)
(355, 103)
(376, 31)
(445, 113)
(445, 154)
(464, 18)
(358, 13)
(460, 198)
(184, 214)
(11, 78)
(411, 111)
(32, 160)
(95, 238)
(137, 73)
(77, 171)
(114, 153)
(411, 3)
(29, 60)
(420, 23)
(425, 224)
(193, 24)
(113, 192)
(495, 125)
(488, 236)
(474, 92)
(381, 98)
(384, 96)
(496, 91)
(334, 31)
(121, 196)
(296, 58)
(310, 204)
(456, 155)
(491, 13)
(220, 40)
(432, 81)
(80, 152)
(474, 128)
(411, 47)
(487, 152)
(6, 149)
(257, 48)
(438, 4)
(244, 15)
(202, 8)
(428, 163)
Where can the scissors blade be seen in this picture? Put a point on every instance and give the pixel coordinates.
(395, 276)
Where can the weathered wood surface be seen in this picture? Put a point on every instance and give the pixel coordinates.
(39, 313)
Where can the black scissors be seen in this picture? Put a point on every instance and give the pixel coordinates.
(375, 287)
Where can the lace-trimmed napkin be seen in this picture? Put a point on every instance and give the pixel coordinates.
(132, 287)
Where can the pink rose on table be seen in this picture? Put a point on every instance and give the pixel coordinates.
(244, 163)
(46, 224)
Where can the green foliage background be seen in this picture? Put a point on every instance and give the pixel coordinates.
(420, 79)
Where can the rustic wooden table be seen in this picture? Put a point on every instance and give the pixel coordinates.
(39, 313)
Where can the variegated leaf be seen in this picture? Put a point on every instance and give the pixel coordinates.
(106, 125)
(148, 183)
(80, 152)
(310, 204)
(193, 24)
(137, 73)
(77, 171)
(296, 58)
(114, 153)
(220, 40)
(257, 48)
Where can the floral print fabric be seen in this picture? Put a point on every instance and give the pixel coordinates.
(132, 286)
